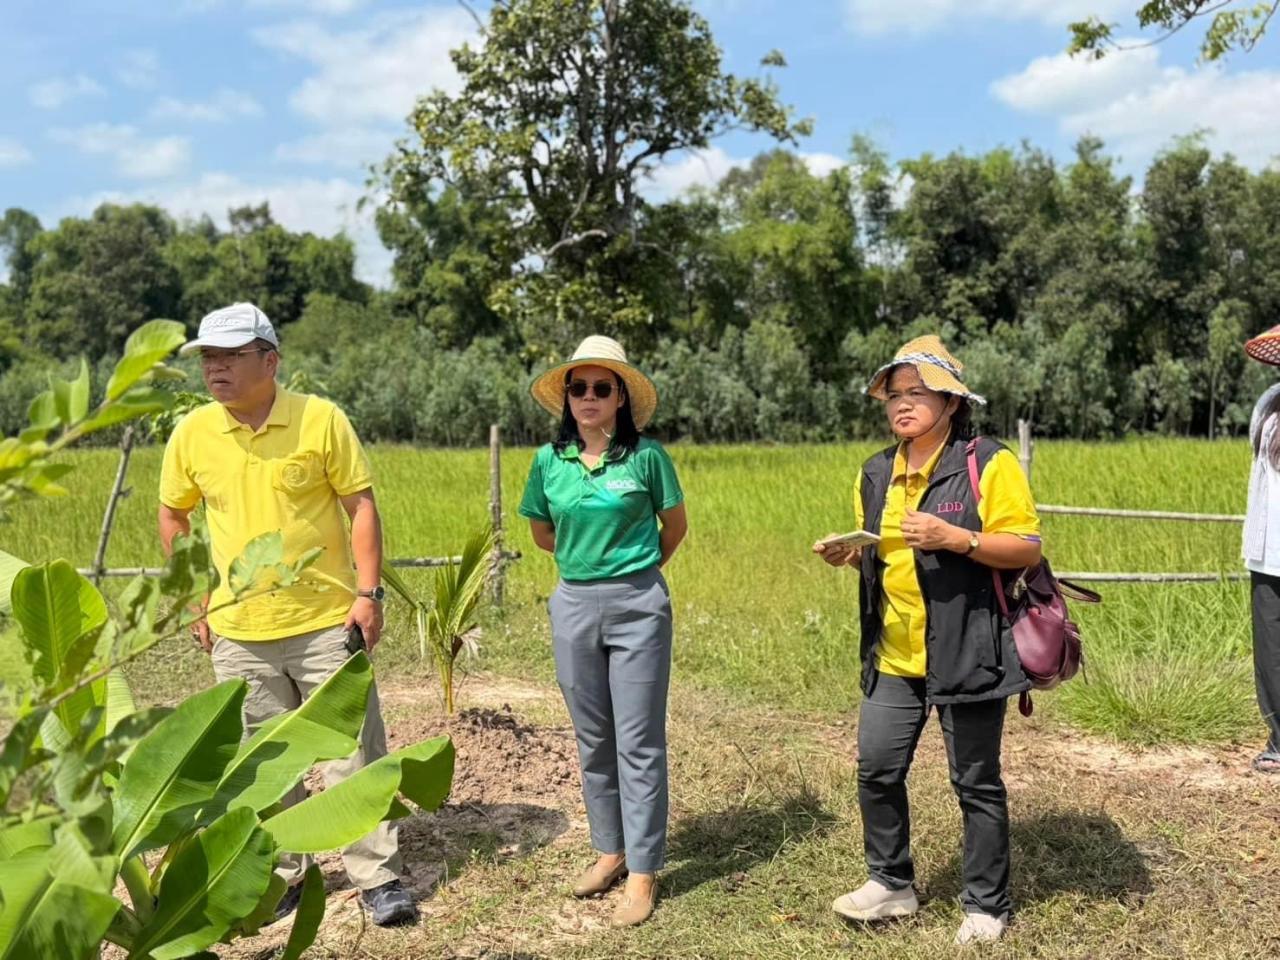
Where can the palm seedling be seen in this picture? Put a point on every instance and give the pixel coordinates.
(445, 623)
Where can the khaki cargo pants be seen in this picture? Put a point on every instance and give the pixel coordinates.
(281, 674)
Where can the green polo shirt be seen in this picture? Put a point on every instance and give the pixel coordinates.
(606, 519)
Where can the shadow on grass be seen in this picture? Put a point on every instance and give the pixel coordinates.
(442, 845)
(722, 844)
(1065, 852)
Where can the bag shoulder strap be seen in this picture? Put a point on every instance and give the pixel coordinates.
(975, 481)
(1025, 705)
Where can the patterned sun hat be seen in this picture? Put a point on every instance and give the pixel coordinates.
(597, 351)
(1265, 346)
(938, 369)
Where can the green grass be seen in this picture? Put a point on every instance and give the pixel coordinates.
(1167, 859)
(758, 615)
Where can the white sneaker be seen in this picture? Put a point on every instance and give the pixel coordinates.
(874, 901)
(981, 928)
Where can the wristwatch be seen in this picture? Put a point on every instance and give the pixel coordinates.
(376, 594)
(973, 544)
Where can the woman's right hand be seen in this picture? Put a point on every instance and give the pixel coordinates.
(837, 554)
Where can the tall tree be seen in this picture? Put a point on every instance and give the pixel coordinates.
(261, 261)
(98, 279)
(788, 252)
(564, 108)
(450, 252)
(17, 229)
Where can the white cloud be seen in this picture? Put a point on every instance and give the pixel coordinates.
(696, 168)
(922, 16)
(139, 69)
(1061, 83)
(377, 72)
(706, 168)
(1137, 105)
(54, 92)
(322, 206)
(13, 154)
(344, 146)
(223, 106)
(135, 156)
(821, 164)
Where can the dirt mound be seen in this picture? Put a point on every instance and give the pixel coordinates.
(515, 788)
(501, 758)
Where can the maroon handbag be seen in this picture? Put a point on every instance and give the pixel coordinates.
(1035, 607)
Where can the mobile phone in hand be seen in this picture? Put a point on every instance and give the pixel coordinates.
(355, 640)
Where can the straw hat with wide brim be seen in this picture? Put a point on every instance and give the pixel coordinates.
(598, 351)
(938, 369)
(1265, 346)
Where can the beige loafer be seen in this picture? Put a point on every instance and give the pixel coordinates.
(596, 881)
(633, 910)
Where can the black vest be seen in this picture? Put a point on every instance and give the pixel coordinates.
(970, 654)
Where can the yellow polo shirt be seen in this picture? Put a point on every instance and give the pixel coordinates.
(1006, 507)
(286, 476)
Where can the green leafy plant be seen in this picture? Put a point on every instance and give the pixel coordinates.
(174, 804)
(445, 622)
(61, 415)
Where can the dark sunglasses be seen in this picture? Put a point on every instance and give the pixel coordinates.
(602, 389)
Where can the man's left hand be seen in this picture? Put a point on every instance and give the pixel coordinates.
(367, 613)
(924, 531)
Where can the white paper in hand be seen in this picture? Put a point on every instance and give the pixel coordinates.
(859, 538)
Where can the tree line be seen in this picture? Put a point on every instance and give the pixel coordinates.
(519, 221)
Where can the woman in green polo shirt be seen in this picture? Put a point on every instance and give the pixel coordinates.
(606, 502)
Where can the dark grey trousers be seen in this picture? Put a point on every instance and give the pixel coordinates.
(1266, 653)
(612, 642)
(889, 726)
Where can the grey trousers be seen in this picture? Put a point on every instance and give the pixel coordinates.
(1266, 653)
(612, 641)
(889, 726)
(281, 674)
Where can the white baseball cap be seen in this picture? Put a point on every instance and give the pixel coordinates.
(231, 327)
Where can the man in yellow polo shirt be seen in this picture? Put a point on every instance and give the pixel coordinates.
(263, 459)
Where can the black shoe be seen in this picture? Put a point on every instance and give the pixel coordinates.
(389, 904)
(288, 903)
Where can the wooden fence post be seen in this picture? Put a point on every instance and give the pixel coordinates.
(118, 493)
(497, 568)
(1024, 446)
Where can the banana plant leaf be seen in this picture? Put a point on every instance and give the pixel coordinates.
(60, 611)
(350, 809)
(10, 566)
(306, 922)
(21, 835)
(57, 902)
(172, 773)
(284, 748)
(213, 883)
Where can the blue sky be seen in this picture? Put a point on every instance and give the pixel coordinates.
(199, 105)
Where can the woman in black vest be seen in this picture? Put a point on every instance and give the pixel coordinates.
(932, 633)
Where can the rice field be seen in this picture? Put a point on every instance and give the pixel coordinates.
(760, 617)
